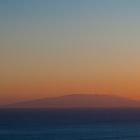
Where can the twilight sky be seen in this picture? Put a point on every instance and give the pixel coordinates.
(56, 47)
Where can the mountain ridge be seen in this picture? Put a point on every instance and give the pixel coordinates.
(78, 101)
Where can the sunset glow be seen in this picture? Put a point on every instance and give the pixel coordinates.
(52, 48)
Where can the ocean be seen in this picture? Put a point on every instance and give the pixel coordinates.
(70, 124)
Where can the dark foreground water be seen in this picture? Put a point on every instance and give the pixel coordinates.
(86, 124)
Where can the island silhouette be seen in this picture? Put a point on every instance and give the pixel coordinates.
(78, 101)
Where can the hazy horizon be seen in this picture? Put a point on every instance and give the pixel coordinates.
(76, 101)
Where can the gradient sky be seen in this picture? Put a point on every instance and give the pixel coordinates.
(56, 47)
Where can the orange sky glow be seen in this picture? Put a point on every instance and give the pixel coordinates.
(52, 49)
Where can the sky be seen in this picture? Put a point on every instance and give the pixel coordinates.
(52, 48)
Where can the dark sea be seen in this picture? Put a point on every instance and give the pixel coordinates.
(70, 124)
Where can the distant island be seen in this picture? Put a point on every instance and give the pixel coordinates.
(79, 101)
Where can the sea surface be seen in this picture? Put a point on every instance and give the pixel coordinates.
(70, 124)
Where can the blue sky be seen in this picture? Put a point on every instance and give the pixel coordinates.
(18, 10)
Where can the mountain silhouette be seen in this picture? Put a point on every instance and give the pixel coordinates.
(78, 101)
